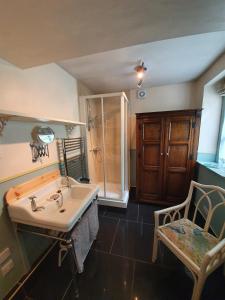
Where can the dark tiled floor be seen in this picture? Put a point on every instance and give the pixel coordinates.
(109, 277)
(49, 281)
(131, 213)
(119, 266)
(146, 213)
(154, 282)
(133, 240)
(108, 227)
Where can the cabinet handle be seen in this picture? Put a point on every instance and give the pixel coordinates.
(168, 151)
(169, 131)
(161, 153)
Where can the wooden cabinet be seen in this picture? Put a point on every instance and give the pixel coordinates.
(166, 153)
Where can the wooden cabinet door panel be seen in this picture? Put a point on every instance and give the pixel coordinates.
(166, 154)
(151, 155)
(150, 159)
(178, 147)
(151, 130)
(150, 185)
(175, 186)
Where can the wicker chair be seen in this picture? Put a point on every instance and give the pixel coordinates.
(197, 247)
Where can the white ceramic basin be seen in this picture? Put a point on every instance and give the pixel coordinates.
(75, 201)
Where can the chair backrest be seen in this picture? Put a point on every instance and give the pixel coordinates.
(209, 200)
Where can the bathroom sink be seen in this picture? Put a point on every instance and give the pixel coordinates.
(80, 192)
(53, 213)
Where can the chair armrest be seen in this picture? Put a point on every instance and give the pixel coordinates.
(218, 248)
(170, 212)
(214, 257)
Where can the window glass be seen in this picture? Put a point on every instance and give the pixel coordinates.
(221, 138)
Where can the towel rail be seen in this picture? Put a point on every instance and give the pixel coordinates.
(73, 152)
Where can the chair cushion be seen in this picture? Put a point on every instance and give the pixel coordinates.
(189, 238)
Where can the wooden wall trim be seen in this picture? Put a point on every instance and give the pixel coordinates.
(19, 191)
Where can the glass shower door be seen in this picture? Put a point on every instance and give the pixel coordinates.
(95, 143)
(107, 145)
(112, 146)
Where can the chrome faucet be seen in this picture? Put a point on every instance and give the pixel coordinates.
(66, 182)
(33, 203)
(59, 202)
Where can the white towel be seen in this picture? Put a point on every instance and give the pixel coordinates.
(93, 221)
(84, 234)
(81, 241)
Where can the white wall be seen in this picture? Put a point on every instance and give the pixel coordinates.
(205, 96)
(160, 98)
(47, 91)
(83, 90)
(210, 120)
(15, 151)
(163, 98)
(215, 72)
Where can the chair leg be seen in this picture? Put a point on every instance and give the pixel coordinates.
(198, 286)
(155, 248)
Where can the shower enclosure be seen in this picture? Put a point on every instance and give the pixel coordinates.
(108, 160)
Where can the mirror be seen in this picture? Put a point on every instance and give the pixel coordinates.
(43, 135)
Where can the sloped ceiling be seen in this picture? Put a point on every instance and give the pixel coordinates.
(38, 32)
(168, 61)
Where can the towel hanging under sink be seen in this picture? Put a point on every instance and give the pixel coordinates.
(84, 234)
(93, 221)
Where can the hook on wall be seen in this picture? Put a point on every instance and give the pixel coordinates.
(69, 129)
(2, 124)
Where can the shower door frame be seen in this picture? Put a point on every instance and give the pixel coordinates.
(123, 146)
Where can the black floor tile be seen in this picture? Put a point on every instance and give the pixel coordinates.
(146, 213)
(156, 283)
(134, 240)
(167, 258)
(148, 280)
(215, 286)
(71, 293)
(49, 282)
(20, 295)
(107, 228)
(129, 213)
(118, 266)
(105, 277)
(132, 194)
(101, 210)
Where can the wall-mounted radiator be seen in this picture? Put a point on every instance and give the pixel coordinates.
(73, 159)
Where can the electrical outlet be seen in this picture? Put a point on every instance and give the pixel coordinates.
(4, 255)
(7, 267)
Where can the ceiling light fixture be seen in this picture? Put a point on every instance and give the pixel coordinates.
(140, 70)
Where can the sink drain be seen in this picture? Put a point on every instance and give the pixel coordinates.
(62, 210)
(54, 197)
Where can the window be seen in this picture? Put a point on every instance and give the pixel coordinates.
(221, 137)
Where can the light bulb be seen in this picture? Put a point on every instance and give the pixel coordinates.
(140, 74)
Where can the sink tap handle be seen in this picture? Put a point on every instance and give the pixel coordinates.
(33, 203)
